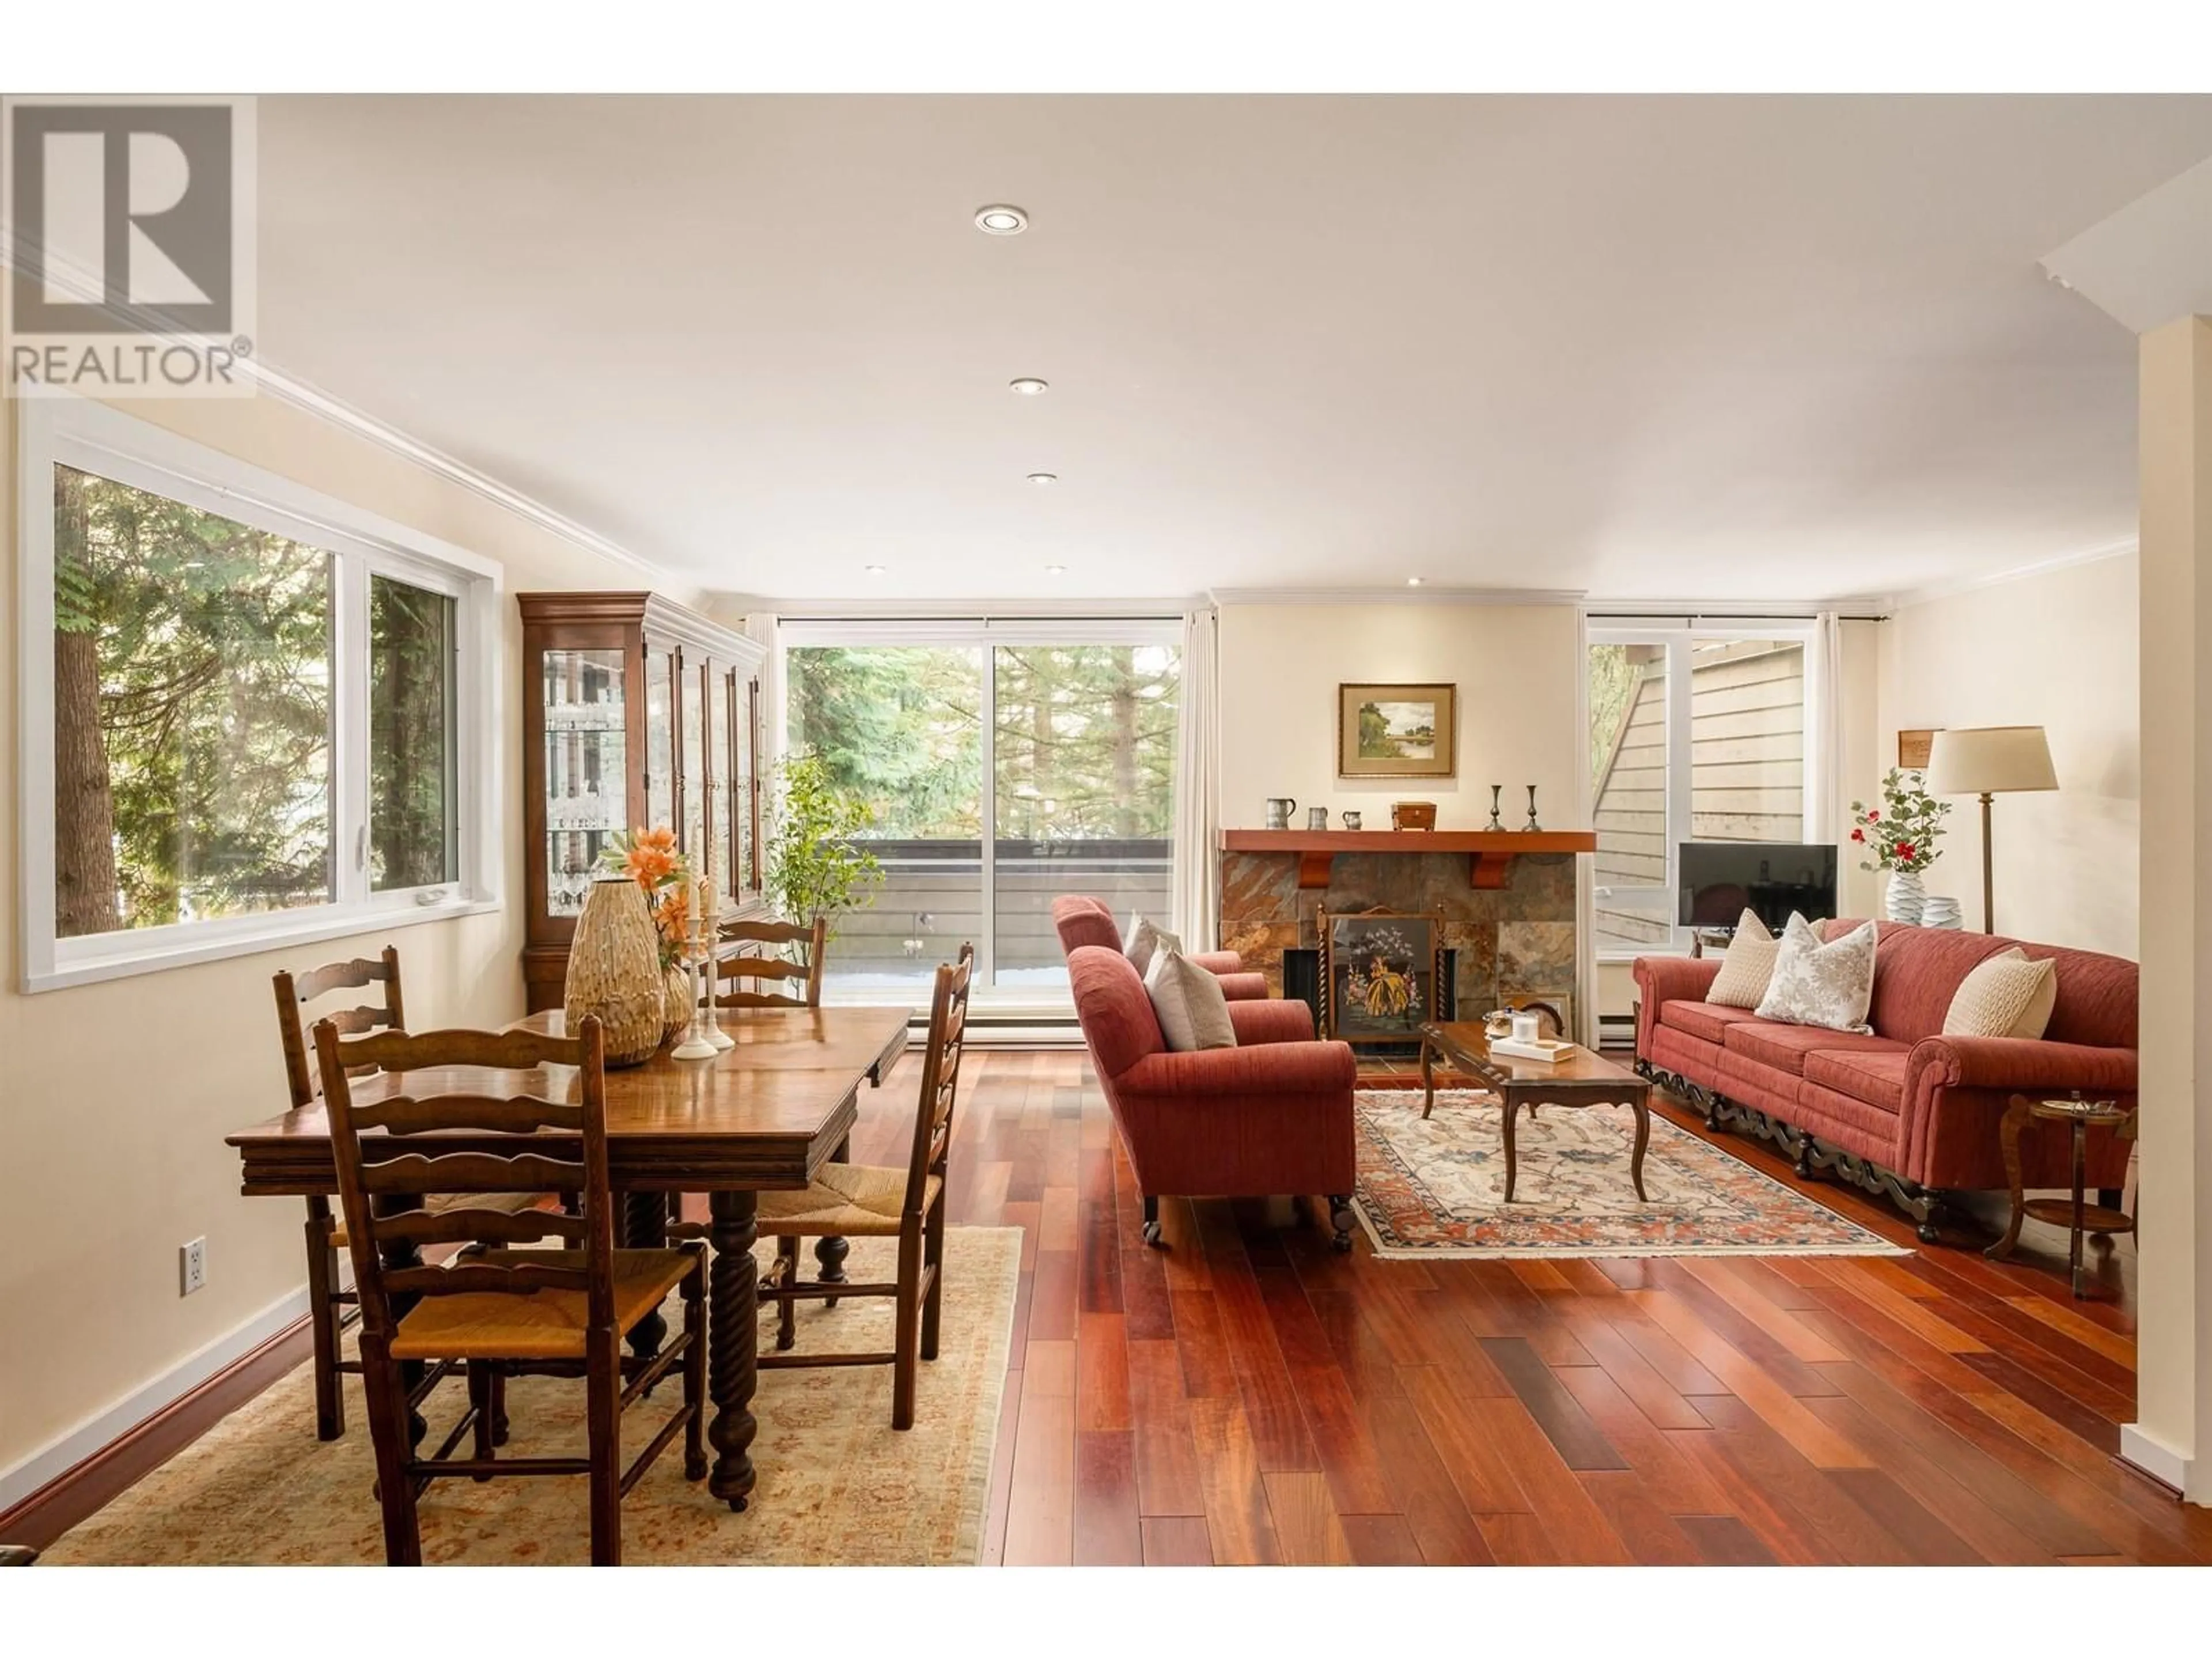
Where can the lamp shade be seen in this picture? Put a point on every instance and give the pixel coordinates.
(1989, 760)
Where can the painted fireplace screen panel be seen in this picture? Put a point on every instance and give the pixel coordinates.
(1381, 972)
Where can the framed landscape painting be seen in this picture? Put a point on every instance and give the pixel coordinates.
(1397, 731)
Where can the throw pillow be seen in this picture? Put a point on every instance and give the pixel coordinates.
(1747, 967)
(2005, 995)
(1194, 1013)
(1144, 941)
(1817, 984)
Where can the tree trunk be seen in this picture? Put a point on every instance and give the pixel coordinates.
(1125, 741)
(84, 800)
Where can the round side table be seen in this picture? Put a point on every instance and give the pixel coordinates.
(2077, 1216)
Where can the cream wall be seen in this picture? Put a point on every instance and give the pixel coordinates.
(114, 1098)
(2057, 649)
(1519, 677)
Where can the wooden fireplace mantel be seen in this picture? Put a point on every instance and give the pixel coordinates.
(1491, 852)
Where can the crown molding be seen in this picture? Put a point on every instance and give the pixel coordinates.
(312, 399)
(2017, 573)
(1400, 595)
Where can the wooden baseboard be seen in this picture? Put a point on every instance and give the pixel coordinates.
(91, 1484)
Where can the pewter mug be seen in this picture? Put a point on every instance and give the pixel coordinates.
(1352, 820)
(1280, 808)
(1316, 818)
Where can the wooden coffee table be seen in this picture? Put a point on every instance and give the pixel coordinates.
(1579, 1079)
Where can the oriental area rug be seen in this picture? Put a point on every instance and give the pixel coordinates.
(837, 1485)
(1436, 1188)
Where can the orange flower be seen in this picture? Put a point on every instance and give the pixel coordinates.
(673, 913)
(651, 859)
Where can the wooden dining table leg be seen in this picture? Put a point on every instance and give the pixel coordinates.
(732, 1342)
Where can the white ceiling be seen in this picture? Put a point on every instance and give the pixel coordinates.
(1699, 348)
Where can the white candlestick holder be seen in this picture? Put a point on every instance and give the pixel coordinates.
(695, 1044)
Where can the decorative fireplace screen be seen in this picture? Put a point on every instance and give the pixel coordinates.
(1381, 974)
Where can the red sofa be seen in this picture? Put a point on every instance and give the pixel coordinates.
(1907, 1111)
(1084, 920)
(1272, 1114)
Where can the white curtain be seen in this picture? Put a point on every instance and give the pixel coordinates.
(1198, 787)
(1824, 729)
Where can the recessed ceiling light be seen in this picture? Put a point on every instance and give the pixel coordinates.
(875, 569)
(1413, 581)
(1001, 219)
(1055, 570)
(1045, 477)
(1028, 386)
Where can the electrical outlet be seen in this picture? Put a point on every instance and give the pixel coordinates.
(192, 1263)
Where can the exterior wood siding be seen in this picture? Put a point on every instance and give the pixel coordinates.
(1746, 771)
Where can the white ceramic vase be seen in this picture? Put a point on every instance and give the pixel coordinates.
(1906, 898)
(1942, 911)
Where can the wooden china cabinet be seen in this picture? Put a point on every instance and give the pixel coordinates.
(635, 712)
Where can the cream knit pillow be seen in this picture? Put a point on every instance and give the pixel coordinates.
(2005, 995)
(1748, 966)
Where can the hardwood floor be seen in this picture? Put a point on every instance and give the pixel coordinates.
(1248, 1395)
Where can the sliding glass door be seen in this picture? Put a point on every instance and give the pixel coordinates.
(1060, 737)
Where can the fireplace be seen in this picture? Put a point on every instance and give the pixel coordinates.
(1301, 971)
(1508, 943)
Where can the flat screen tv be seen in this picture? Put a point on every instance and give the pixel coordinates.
(1719, 880)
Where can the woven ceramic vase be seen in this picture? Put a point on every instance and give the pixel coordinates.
(614, 971)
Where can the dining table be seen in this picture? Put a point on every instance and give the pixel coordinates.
(762, 1115)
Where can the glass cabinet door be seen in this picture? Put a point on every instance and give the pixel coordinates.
(691, 750)
(721, 800)
(659, 739)
(743, 785)
(585, 776)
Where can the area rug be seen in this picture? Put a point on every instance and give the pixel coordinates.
(1438, 1188)
(837, 1486)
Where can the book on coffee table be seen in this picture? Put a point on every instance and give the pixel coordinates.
(1542, 1049)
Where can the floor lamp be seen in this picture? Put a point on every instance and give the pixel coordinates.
(1987, 761)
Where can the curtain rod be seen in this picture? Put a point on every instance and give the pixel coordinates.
(1694, 618)
(995, 617)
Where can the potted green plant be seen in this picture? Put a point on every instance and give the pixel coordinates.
(815, 867)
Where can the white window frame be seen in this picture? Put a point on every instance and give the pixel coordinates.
(94, 438)
(1680, 636)
(983, 633)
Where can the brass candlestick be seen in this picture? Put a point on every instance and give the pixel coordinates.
(1496, 791)
(1532, 825)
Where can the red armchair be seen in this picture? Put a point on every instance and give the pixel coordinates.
(1272, 1114)
(1082, 921)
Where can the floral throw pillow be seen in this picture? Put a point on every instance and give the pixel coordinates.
(1815, 984)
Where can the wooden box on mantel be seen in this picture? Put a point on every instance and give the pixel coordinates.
(1414, 815)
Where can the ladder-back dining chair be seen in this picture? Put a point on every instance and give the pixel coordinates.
(471, 1134)
(330, 1306)
(856, 1200)
(736, 978)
